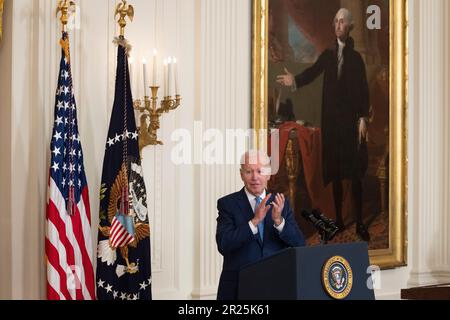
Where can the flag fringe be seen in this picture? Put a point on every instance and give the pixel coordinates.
(120, 41)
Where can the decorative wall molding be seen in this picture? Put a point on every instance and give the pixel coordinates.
(225, 93)
(430, 256)
(5, 156)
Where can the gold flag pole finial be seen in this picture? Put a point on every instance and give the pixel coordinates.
(63, 7)
(124, 10)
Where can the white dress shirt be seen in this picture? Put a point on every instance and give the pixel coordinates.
(341, 46)
(252, 200)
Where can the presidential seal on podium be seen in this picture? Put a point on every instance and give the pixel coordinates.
(337, 277)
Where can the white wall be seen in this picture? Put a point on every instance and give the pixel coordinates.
(212, 41)
(224, 97)
(27, 158)
(430, 143)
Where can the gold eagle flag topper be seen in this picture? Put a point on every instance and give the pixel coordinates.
(1, 19)
(66, 7)
(123, 10)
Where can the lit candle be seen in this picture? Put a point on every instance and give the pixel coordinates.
(165, 77)
(169, 86)
(155, 67)
(144, 72)
(175, 66)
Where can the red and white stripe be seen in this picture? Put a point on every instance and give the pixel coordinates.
(119, 236)
(69, 250)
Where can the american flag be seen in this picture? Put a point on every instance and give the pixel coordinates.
(68, 243)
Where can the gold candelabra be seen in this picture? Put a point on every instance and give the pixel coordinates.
(151, 114)
(148, 107)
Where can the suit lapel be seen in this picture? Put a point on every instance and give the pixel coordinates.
(247, 210)
(334, 65)
(244, 205)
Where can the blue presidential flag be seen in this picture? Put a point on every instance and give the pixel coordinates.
(123, 253)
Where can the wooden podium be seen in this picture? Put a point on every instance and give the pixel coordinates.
(436, 292)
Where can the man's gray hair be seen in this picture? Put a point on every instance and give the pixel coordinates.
(347, 15)
(255, 157)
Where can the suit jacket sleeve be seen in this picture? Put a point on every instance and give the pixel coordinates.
(291, 234)
(231, 236)
(310, 74)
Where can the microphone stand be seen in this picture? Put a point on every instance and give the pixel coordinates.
(323, 238)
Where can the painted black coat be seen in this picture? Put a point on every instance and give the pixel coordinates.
(344, 102)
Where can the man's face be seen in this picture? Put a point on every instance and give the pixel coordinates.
(255, 178)
(341, 26)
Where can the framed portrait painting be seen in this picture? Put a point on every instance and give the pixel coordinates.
(329, 82)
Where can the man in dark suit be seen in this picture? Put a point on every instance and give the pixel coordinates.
(252, 224)
(345, 109)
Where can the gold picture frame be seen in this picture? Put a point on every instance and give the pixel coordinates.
(396, 253)
(1, 19)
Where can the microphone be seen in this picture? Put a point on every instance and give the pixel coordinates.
(318, 223)
(327, 228)
(320, 216)
(332, 228)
